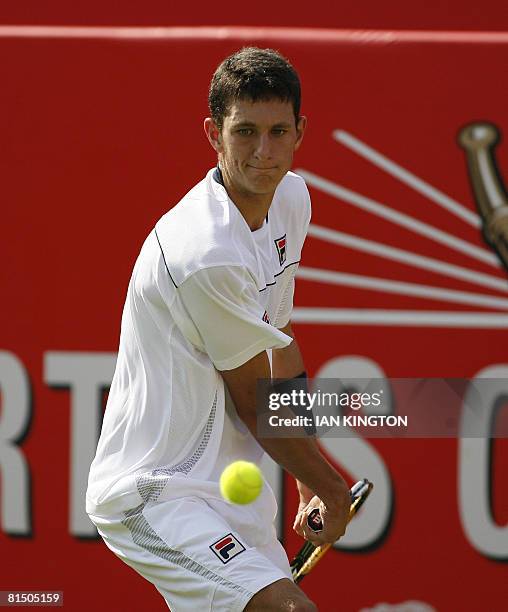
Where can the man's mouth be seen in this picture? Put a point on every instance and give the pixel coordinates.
(262, 169)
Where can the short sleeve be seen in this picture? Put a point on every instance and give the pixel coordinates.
(222, 303)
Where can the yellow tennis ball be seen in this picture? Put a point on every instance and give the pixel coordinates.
(241, 482)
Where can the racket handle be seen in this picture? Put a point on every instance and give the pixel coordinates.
(314, 521)
(358, 492)
(309, 555)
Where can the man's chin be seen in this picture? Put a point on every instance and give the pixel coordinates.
(263, 191)
(264, 185)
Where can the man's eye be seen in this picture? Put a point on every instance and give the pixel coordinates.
(245, 131)
(279, 131)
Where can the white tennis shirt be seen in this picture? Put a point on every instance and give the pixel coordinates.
(206, 294)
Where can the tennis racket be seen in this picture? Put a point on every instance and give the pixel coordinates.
(309, 555)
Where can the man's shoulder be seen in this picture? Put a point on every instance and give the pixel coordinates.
(294, 180)
(292, 200)
(203, 195)
(294, 188)
(198, 232)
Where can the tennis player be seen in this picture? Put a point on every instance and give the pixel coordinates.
(210, 294)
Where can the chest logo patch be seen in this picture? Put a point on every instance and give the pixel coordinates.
(227, 547)
(280, 245)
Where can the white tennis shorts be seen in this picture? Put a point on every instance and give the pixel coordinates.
(204, 555)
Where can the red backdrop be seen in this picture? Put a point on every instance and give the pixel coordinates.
(390, 14)
(101, 135)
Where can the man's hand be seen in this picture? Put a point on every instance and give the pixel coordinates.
(334, 517)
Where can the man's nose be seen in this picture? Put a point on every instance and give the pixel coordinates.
(263, 147)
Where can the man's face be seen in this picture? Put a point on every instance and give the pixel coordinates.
(256, 145)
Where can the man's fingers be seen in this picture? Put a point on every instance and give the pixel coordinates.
(333, 525)
(299, 523)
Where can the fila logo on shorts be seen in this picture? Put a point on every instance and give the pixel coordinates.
(280, 244)
(227, 547)
(266, 318)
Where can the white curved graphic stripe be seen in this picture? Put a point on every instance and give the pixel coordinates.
(414, 225)
(400, 318)
(406, 257)
(402, 288)
(407, 177)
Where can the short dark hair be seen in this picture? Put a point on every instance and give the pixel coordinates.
(253, 74)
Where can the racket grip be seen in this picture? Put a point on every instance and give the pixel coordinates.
(314, 521)
(359, 492)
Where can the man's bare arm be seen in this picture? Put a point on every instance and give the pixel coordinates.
(288, 362)
(299, 456)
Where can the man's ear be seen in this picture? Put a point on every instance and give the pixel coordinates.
(213, 134)
(300, 130)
